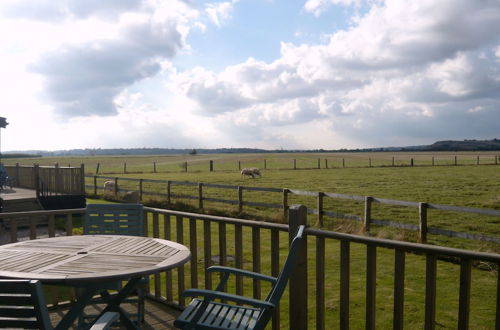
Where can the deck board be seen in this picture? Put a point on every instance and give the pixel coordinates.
(157, 315)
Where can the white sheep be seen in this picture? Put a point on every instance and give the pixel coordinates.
(248, 172)
(256, 171)
(109, 186)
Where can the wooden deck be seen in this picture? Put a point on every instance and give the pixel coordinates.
(17, 193)
(157, 315)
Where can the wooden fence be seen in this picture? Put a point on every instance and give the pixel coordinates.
(48, 180)
(298, 164)
(255, 245)
(165, 189)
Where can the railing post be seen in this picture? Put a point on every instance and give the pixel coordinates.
(36, 178)
(422, 210)
(368, 212)
(168, 192)
(297, 215)
(18, 182)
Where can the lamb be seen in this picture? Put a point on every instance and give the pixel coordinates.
(256, 171)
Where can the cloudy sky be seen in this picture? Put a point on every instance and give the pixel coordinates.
(247, 73)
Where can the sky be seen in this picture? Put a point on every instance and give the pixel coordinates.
(272, 74)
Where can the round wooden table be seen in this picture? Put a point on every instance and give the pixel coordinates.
(92, 263)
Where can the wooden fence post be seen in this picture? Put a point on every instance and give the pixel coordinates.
(239, 165)
(294, 164)
(411, 162)
(326, 163)
(168, 192)
(422, 210)
(116, 187)
(392, 161)
(240, 199)
(319, 163)
(140, 189)
(320, 208)
(343, 163)
(200, 195)
(285, 203)
(297, 215)
(97, 168)
(154, 167)
(477, 160)
(211, 165)
(124, 167)
(95, 185)
(265, 164)
(82, 179)
(369, 162)
(18, 181)
(432, 161)
(455, 160)
(368, 212)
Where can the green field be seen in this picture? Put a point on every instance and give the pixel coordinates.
(466, 184)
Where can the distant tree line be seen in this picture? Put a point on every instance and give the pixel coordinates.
(465, 145)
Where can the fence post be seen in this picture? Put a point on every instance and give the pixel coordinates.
(411, 162)
(140, 190)
(455, 160)
(200, 195)
(124, 167)
(239, 165)
(294, 164)
(392, 161)
(168, 192)
(116, 187)
(326, 163)
(18, 182)
(297, 215)
(343, 163)
(265, 164)
(368, 212)
(477, 160)
(95, 185)
(240, 199)
(369, 162)
(422, 211)
(97, 168)
(154, 167)
(319, 163)
(211, 165)
(82, 178)
(285, 203)
(320, 209)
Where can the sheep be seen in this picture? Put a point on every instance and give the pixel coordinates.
(256, 171)
(131, 196)
(248, 172)
(110, 186)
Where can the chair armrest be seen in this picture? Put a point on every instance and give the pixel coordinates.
(105, 321)
(211, 295)
(237, 271)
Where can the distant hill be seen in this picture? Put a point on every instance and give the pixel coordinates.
(465, 145)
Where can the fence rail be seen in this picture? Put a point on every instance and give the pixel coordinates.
(320, 211)
(245, 244)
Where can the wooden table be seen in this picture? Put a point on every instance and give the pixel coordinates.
(92, 263)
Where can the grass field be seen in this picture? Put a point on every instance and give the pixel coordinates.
(464, 185)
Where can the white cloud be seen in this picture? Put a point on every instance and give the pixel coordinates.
(317, 7)
(220, 12)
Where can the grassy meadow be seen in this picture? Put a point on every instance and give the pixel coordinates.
(466, 184)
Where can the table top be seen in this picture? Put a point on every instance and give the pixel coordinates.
(90, 258)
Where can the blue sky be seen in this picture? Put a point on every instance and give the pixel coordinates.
(248, 73)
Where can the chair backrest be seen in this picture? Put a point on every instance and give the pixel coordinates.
(22, 305)
(114, 219)
(278, 288)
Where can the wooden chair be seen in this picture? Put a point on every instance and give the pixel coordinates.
(212, 311)
(22, 306)
(116, 219)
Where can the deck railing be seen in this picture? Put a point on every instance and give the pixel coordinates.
(342, 280)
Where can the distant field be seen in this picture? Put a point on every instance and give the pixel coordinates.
(466, 184)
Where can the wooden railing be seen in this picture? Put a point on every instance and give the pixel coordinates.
(328, 257)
